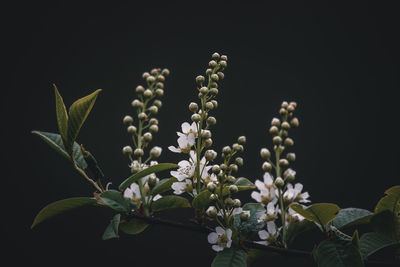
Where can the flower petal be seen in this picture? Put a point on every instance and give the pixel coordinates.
(219, 230)
(212, 238)
(263, 234)
(217, 248)
(256, 196)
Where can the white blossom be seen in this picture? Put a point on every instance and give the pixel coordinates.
(291, 215)
(187, 168)
(181, 187)
(186, 139)
(268, 236)
(293, 194)
(221, 238)
(267, 190)
(270, 214)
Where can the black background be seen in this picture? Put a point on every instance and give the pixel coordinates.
(338, 61)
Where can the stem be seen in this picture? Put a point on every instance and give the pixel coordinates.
(281, 204)
(84, 175)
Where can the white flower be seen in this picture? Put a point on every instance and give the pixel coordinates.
(186, 139)
(221, 238)
(181, 187)
(269, 236)
(293, 194)
(293, 216)
(157, 197)
(267, 190)
(187, 168)
(133, 192)
(271, 213)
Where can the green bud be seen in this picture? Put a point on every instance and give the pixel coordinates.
(223, 167)
(152, 181)
(145, 75)
(193, 107)
(279, 182)
(231, 179)
(212, 64)
(165, 72)
(208, 71)
(153, 121)
(283, 112)
(289, 142)
(210, 155)
(215, 56)
(277, 140)
(208, 142)
(155, 152)
(275, 122)
(244, 216)
(291, 157)
(224, 57)
(214, 91)
(205, 134)
(226, 150)
(273, 130)
(229, 202)
(233, 188)
(147, 137)
(142, 116)
(154, 71)
(159, 92)
(283, 162)
(223, 63)
(209, 105)
(127, 150)
(153, 129)
(157, 103)
(233, 167)
(239, 161)
(211, 120)
(127, 120)
(266, 167)
(131, 129)
(200, 80)
(294, 122)
(213, 197)
(211, 211)
(137, 103)
(211, 187)
(265, 154)
(139, 90)
(284, 104)
(153, 110)
(237, 147)
(237, 203)
(215, 103)
(160, 78)
(241, 140)
(203, 90)
(214, 77)
(150, 79)
(216, 169)
(196, 117)
(291, 107)
(285, 125)
(221, 75)
(138, 152)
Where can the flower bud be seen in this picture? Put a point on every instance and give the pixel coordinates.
(137, 103)
(223, 167)
(210, 155)
(233, 188)
(127, 120)
(214, 77)
(138, 152)
(283, 162)
(208, 142)
(193, 107)
(291, 107)
(153, 129)
(159, 92)
(155, 152)
(204, 90)
(153, 110)
(131, 129)
(127, 150)
(215, 103)
(209, 105)
(231, 179)
(150, 79)
(157, 103)
(275, 122)
(279, 149)
(196, 117)
(241, 140)
(229, 201)
(273, 130)
(289, 142)
(160, 85)
(142, 116)
(289, 175)
(213, 197)
(265, 154)
(208, 71)
(165, 72)
(237, 147)
(145, 75)
(226, 150)
(205, 134)
(200, 79)
(160, 78)
(285, 133)
(291, 157)
(221, 75)
(283, 112)
(213, 84)
(237, 203)
(239, 161)
(285, 125)
(233, 167)
(211, 211)
(212, 64)
(244, 216)
(211, 187)
(223, 63)
(279, 182)
(215, 56)
(224, 57)
(266, 166)
(216, 169)
(213, 91)
(284, 104)
(139, 90)
(294, 122)
(152, 181)
(211, 121)
(147, 137)
(154, 71)
(153, 121)
(277, 140)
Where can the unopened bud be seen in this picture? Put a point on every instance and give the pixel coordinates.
(208, 71)
(157, 103)
(223, 63)
(211, 121)
(233, 188)
(150, 79)
(147, 137)
(283, 112)
(237, 147)
(233, 167)
(239, 161)
(214, 77)
(213, 197)
(212, 64)
(138, 152)
(291, 157)
(142, 116)
(215, 103)
(211, 211)
(224, 57)
(277, 140)
(294, 122)
(137, 103)
(289, 142)
(289, 175)
(211, 187)
(216, 169)
(145, 75)
(154, 72)
(139, 90)
(215, 56)
(210, 155)
(204, 90)
(155, 152)
(221, 75)
(165, 72)
(266, 166)
(214, 91)
(226, 150)
(196, 117)
(131, 129)
(231, 179)
(291, 108)
(159, 92)
(244, 216)
(205, 134)
(160, 78)
(279, 182)
(273, 130)
(153, 129)
(152, 181)
(127, 120)
(283, 162)
(200, 79)
(229, 201)
(241, 140)
(285, 125)
(193, 107)
(275, 122)
(265, 154)
(223, 167)
(237, 203)
(153, 110)
(127, 150)
(153, 121)
(209, 105)
(208, 142)
(284, 104)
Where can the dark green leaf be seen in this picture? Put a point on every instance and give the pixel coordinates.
(391, 201)
(372, 242)
(387, 224)
(152, 169)
(78, 113)
(321, 213)
(244, 184)
(170, 202)
(55, 141)
(115, 200)
(338, 253)
(351, 216)
(163, 186)
(62, 206)
(230, 257)
(202, 200)
(251, 225)
(297, 227)
(112, 229)
(62, 116)
(133, 226)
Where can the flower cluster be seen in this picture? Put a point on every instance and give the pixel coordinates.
(276, 194)
(146, 106)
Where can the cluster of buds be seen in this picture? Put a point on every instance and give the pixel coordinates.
(146, 105)
(222, 189)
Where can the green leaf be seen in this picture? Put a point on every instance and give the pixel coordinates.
(297, 227)
(112, 229)
(338, 253)
(244, 184)
(321, 213)
(55, 141)
(230, 257)
(251, 225)
(351, 216)
(163, 186)
(391, 201)
(62, 206)
(387, 224)
(152, 169)
(78, 113)
(202, 200)
(62, 116)
(170, 202)
(133, 226)
(372, 242)
(115, 200)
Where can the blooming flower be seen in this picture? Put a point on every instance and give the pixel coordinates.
(293, 194)
(271, 213)
(292, 216)
(187, 168)
(186, 139)
(270, 235)
(181, 187)
(267, 190)
(221, 238)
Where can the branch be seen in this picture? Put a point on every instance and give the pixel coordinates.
(249, 244)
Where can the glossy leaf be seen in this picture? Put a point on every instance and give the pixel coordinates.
(112, 229)
(152, 169)
(62, 115)
(244, 184)
(170, 202)
(296, 228)
(115, 200)
(338, 253)
(391, 201)
(55, 141)
(133, 226)
(230, 257)
(78, 112)
(202, 200)
(62, 206)
(372, 242)
(163, 185)
(321, 213)
(351, 216)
